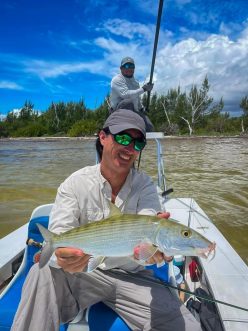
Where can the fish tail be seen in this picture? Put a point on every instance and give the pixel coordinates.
(48, 249)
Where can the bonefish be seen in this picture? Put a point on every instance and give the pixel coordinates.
(119, 234)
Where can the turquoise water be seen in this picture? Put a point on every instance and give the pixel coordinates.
(214, 171)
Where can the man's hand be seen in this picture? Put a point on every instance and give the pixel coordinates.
(147, 87)
(158, 257)
(164, 214)
(71, 259)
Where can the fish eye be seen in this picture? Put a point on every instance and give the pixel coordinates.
(186, 233)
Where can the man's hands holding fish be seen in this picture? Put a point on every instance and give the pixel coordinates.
(75, 260)
(72, 259)
(159, 257)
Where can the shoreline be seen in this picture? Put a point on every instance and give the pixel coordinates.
(46, 138)
(94, 137)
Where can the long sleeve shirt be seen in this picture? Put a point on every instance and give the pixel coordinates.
(125, 88)
(85, 195)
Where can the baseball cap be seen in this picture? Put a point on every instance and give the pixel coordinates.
(126, 60)
(124, 119)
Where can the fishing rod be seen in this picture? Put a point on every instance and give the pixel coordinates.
(160, 10)
(160, 282)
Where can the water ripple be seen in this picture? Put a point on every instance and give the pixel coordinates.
(214, 171)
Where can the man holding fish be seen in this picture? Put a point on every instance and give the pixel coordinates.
(91, 239)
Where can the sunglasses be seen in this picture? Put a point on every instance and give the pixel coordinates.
(125, 139)
(128, 66)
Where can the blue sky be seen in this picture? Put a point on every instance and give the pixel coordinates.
(67, 50)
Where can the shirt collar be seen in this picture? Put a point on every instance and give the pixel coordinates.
(106, 188)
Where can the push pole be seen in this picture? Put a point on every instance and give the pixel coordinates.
(160, 10)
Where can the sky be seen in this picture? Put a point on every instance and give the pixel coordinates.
(68, 50)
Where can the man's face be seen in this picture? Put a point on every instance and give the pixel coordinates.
(117, 157)
(127, 69)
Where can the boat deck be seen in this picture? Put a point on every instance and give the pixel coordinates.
(12, 248)
(227, 273)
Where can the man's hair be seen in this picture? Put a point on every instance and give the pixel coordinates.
(99, 146)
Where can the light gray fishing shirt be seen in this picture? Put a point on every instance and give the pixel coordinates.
(85, 195)
(125, 88)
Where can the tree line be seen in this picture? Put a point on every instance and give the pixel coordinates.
(175, 113)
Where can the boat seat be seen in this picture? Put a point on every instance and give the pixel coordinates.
(100, 317)
(10, 299)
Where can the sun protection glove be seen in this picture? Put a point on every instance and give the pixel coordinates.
(147, 87)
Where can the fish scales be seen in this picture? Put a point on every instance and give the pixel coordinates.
(119, 234)
(112, 227)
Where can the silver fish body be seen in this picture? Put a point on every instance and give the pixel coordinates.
(119, 234)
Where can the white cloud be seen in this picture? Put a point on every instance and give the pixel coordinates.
(4, 84)
(224, 61)
(46, 69)
(244, 36)
(130, 30)
(109, 44)
(115, 51)
(184, 63)
(2, 117)
(17, 111)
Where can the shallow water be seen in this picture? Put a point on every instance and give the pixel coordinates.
(214, 171)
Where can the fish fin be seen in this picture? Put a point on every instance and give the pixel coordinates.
(141, 262)
(46, 234)
(212, 250)
(173, 220)
(47, 249)
(208, 252)
(94, 262)
(203, 256)
(114, 211)
(144, 263)
(146, 250)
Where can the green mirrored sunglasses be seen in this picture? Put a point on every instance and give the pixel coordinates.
(125, 139)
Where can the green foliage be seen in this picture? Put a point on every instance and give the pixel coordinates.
(30, 130)
(101, 114)
(174, 113)
(4, 130)
(61, 116)
(83, 128)
(27, 113)
(198, 105)
(244, 105)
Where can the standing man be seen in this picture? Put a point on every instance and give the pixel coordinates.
(56, 294)
(125, 88)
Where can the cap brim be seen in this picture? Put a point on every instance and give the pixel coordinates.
(119, 128)
(126, 63)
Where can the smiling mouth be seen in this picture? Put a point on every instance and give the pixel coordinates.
(125, 157)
